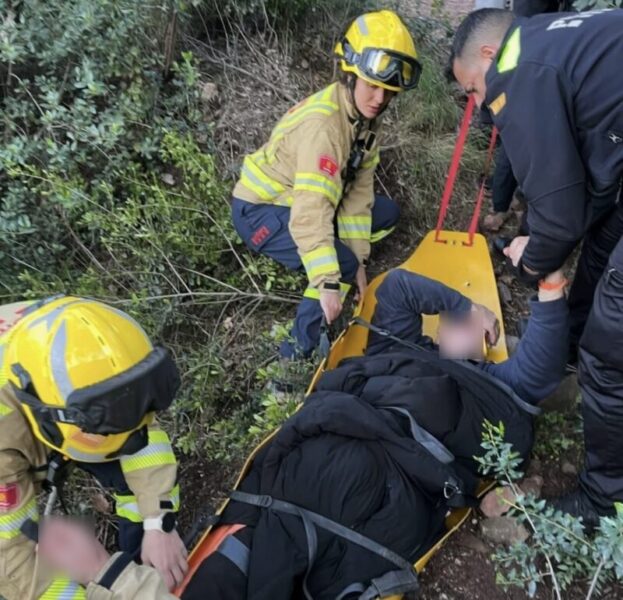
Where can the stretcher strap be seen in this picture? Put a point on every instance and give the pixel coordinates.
(481, 193)
(454, 166)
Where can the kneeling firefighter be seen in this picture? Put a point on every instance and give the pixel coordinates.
(306, 198)
(80, 383)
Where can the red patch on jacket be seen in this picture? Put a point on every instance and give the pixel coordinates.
(260, 235)
(327, 165)
(9, 497)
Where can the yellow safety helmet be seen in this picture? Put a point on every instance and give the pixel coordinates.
(379, 48)
(87, 377)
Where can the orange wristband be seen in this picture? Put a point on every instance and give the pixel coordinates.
(551, 287)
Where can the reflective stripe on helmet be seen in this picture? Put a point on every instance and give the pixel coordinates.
(158, 452)
(354, 228)
(11, 523)
(63, 588)
(321, 261)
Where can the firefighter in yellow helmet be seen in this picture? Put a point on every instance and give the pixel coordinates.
(80, 384)
(306, 198)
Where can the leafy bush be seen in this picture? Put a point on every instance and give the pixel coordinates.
(559, 552)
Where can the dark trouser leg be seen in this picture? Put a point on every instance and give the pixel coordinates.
(598, 244)
(600, 375)
(504, 182)
(110, 475)
(385, 215)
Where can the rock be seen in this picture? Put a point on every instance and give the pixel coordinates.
(469, 540)
(304, 64)
(495, 502)
(101, 504)
(168, 178)
(209, 92)
(532, 486)
(503, 530)
(569, 469)
(505, 293)
(535, 467)
(565, 398)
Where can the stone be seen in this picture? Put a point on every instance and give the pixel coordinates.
(505, 293)
(565, 398)
(100, 503)
(469, 540)
(532, 486)
(209, 92)
(503, 530)
(495, 502)
(569, 469)
(168, 179)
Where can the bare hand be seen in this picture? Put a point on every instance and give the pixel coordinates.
(362, 282)
(167, 554)
(490, 323)
(515, 249)
(70, 547)
(331, 305)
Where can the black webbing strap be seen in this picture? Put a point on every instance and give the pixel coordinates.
(120, 563)
(264, 501)
(393, 583)
(432, 357)
(234, 550)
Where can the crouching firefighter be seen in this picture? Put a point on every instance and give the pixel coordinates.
(306, 198)
(80, 384)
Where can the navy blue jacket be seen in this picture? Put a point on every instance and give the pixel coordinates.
(555, 91)
(533, 372)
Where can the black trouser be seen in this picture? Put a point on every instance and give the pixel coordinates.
(599, 242)
(111, 476)
(504, 184)
(600, 375)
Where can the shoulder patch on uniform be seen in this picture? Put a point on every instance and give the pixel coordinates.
(327, 165)
(498, 104)
(9, 496)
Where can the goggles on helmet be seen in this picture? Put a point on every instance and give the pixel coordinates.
(385, 66)
(117, 405)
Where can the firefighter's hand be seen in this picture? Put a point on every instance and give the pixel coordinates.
(331, 305)
(362, 283)
(167, 554)
(515, 249)
(72, 548)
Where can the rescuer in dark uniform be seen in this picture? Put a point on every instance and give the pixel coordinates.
(554, 86)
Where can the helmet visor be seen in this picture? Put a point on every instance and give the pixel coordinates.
(386, 66)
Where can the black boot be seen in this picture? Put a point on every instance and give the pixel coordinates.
(578, 504)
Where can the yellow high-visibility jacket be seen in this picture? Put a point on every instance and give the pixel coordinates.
(302, 166)
(150, 473)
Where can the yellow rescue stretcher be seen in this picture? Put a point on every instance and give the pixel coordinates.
(461, 260)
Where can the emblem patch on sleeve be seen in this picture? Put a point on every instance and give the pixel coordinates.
(9, 496)
(327, 165)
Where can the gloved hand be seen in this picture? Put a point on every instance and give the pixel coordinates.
(167, 554)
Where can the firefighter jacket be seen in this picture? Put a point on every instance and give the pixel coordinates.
(555, 91)
(305, 165)
(150, 473)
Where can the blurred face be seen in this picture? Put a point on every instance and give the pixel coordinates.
(462, 339)
(470, 71)
(371, 99)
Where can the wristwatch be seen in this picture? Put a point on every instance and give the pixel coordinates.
(165, 522)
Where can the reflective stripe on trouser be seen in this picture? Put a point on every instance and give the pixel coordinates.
(277, 243)
(10, 523)
(63, 588)
(126, 506)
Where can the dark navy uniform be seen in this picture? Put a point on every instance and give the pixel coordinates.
(555, 91)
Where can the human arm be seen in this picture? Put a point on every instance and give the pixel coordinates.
(539, 137)
(537, 367)
(151, 474)
(404, 296)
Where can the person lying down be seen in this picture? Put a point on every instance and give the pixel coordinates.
(355, 487)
